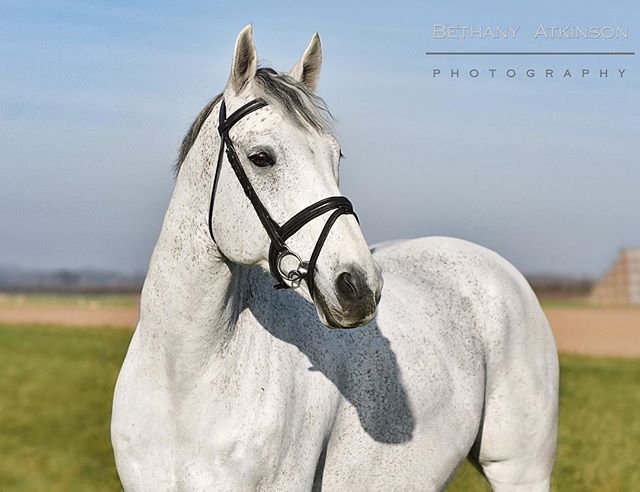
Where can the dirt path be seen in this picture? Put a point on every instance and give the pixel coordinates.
(599, 332)
(125, 317)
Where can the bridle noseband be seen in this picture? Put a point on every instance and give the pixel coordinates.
(278, 251)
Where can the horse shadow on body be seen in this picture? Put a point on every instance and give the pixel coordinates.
(359, 362)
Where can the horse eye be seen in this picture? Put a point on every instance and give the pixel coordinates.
(262, 159)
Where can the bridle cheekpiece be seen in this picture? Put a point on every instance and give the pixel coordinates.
(279, 253)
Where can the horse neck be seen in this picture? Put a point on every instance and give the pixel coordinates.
(192, 295)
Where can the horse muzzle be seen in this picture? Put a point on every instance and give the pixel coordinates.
(356, 300)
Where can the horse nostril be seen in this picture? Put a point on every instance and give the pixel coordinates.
(349, 286)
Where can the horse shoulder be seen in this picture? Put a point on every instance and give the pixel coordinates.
(469, 282)
(450, 271)
(482, 304)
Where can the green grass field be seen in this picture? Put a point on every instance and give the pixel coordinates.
(57, 384)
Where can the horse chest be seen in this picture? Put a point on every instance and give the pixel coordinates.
(254, 429)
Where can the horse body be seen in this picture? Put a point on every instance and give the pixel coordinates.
(231, 385)
(285, 403)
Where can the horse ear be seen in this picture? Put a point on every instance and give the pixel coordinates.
(245, 60)
(307, 70)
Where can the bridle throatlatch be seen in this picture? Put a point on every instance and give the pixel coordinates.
(279, 252)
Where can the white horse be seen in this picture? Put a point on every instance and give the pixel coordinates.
(231, 385)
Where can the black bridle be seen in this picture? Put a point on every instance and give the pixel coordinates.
(279, 250)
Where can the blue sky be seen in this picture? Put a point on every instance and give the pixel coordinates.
(95, 97)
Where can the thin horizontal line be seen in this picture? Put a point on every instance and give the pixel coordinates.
(532, 53)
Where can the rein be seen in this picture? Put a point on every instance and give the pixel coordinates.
(278, 251)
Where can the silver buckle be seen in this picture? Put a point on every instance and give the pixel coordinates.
(292, 275)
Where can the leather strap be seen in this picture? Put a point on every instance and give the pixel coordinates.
(278, 234)
(340, 204)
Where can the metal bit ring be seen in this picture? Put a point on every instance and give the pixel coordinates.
(294, 275)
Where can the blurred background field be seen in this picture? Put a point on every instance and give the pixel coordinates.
(130, 300)
(56, 393)
(58, 299)
(60, 352)
(58, 382)
(580, 325)
(61, 348)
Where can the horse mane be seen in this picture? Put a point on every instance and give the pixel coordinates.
(291, 97)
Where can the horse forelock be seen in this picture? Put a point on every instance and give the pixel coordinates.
(292, 98)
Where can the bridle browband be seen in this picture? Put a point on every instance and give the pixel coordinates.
(278, 251)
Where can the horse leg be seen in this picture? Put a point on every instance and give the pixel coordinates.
(317, 479)
(516, 444)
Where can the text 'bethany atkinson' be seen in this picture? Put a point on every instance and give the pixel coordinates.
(441, 31)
